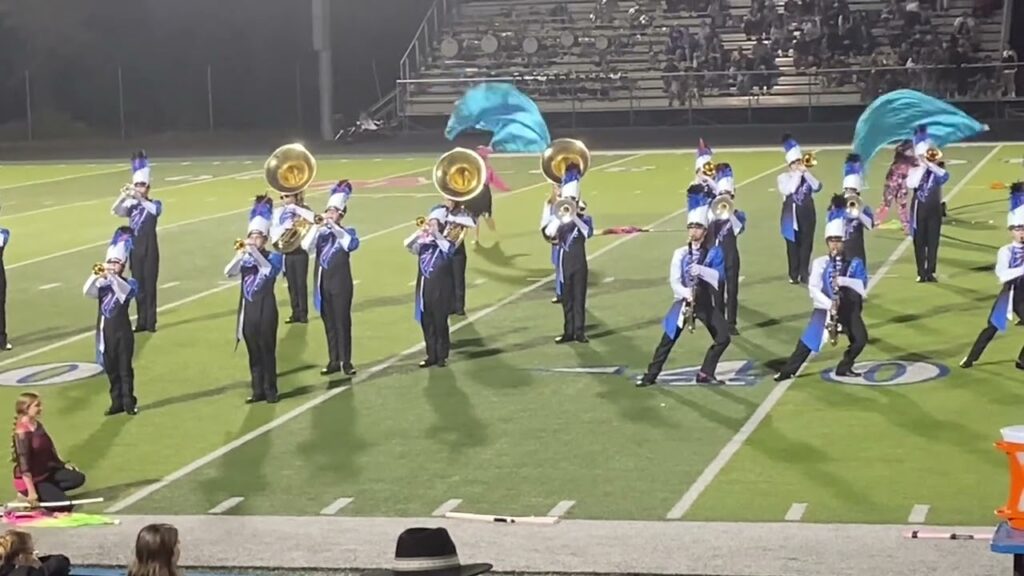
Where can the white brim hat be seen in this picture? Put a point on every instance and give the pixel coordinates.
(853, 181)
(117, 253)
(698, 215)
(835, 228)
(259, 224)
(141, 176)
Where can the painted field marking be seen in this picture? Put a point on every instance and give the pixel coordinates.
(740, 279)
(363, 375)
(608, 279)
(732, 447)
(354, 282)
(169, 284)
(796, 512)
(192, 220)
(561, 508)
(51, 208)
(48, 203)
(48, 286)
(62, 178)
(226, 505)
(333, 508)
(412, 283)
(479, 281)
(918, 514)
(447, 507)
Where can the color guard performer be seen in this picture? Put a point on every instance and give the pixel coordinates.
(1010, 271)
(895, 189)
(434, 285)
(458, 213)
(572, 271)
(296, 262)
(837, 286)
(797, 187)
(925, 182)
(142, 212)
(5, 343)
(482, 205)
(545, 215)
(332, 246)
(257, 306)
(115, 341)
(695, 276)
(725, 232)
(858, 219)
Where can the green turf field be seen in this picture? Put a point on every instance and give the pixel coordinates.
(513, 426)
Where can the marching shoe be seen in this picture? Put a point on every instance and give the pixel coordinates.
(426, 363)
(932, 278)
(6, 347)
(330, 369)
(349, 370)
(734, 331)
(563, 339)
(794, 281)
(289, 320)
(848, 373)
(113, 410)
(1019, 365)
(556, 300)
(133, 411)
(644, 381)
(254, 399)
(780, 377)
(967, 363)
(442, 363)
(920, 280)
(712, 380)
(273, 400)
(582, 339)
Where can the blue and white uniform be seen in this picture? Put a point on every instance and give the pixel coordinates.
(925, 181)
(855, 224)
(115, 341)
(726, 233)
(571, 269)
(142, 213)
(435, 287)
(799, 220)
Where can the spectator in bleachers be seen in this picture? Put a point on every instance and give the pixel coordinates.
(1009, 72)
(671, 81)
(156, 552)
(18, 557)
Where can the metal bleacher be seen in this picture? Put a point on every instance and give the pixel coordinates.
(626, 77)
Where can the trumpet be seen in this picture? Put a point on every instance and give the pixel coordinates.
(98, 269)
(128, 191)
(708, 169)
(421, 223)
(933, 155)
(809, 160)
(722, 207)
(565, 210)
(854, 205)
(239, 245)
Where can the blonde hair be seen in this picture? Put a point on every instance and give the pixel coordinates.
(25, 401)
(155, 548)
(17, 548)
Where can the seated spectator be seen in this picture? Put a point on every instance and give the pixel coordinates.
(156, 552)
(39, 472)
(18, 557)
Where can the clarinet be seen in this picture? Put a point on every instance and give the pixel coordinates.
(833, 323)
(690, 319)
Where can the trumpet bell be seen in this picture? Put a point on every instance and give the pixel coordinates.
(460, 174)
(560, 154)
(708, 169)
(565, 210)
(98, 269)
(933, 155)
(809, 160)
(290, 169)
(854, 205)
(722, 207)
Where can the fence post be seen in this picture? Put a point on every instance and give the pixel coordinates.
(28, 104)
(120, 99)
(209, 94)
(298, 92)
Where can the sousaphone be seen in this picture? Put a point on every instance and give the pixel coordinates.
(290, 170)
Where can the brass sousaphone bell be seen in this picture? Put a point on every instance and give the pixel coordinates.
(722, 207)
(560, 154)
(459, 175)
(289, 170)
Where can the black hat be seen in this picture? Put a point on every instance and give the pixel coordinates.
(429, 552)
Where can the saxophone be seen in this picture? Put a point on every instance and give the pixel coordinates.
(833, 321)
(689, 317)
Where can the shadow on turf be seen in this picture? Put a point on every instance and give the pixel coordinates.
(110, 493)
(457, 424)
(239, 385)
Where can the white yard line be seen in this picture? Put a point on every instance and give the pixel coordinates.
(364, 374)
(561, 508)
(446, 507)
(918, 514)
(51, 209)
(169, 284)
(729, 450)
(48, 286)
(63, 178)
(335, 506)
(796, 512)
(226, 505)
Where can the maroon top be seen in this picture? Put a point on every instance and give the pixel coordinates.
(35, 452)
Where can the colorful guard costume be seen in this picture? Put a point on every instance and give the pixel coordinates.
(571, 259)
(115, 341)
(694, 276)
(925, 182)
(1010, 271)
(434, 285)
(836, 276)
(332, 246)
(797, 187)
(142, 213)
(257, 305)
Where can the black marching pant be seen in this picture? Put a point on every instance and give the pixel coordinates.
(459, 272)
(434, 321)
(3, 302)
(798, 254)
(856, 334)
(56, 486)
(926, 239)
(717, 328)
(118, 351)
(574, 302)
(729, 288)
(296, 272)
(982, 342)
(261, 343)
(336, 312)
(146, 270)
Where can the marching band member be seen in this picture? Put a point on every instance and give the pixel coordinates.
(895, 189)
(725, 233)
(856, 223)
(458, 214)
(695, 276)
(837, 286)
(257, 306)
(704, 172)
(332, 246)
(5, 344)
(434, 285)
(925, 179)
(1010, 271)
(572, 271)
(797, 187)
(546, 213)
(142, 212)
(482, 205)
(115, 341)
(296, 262)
